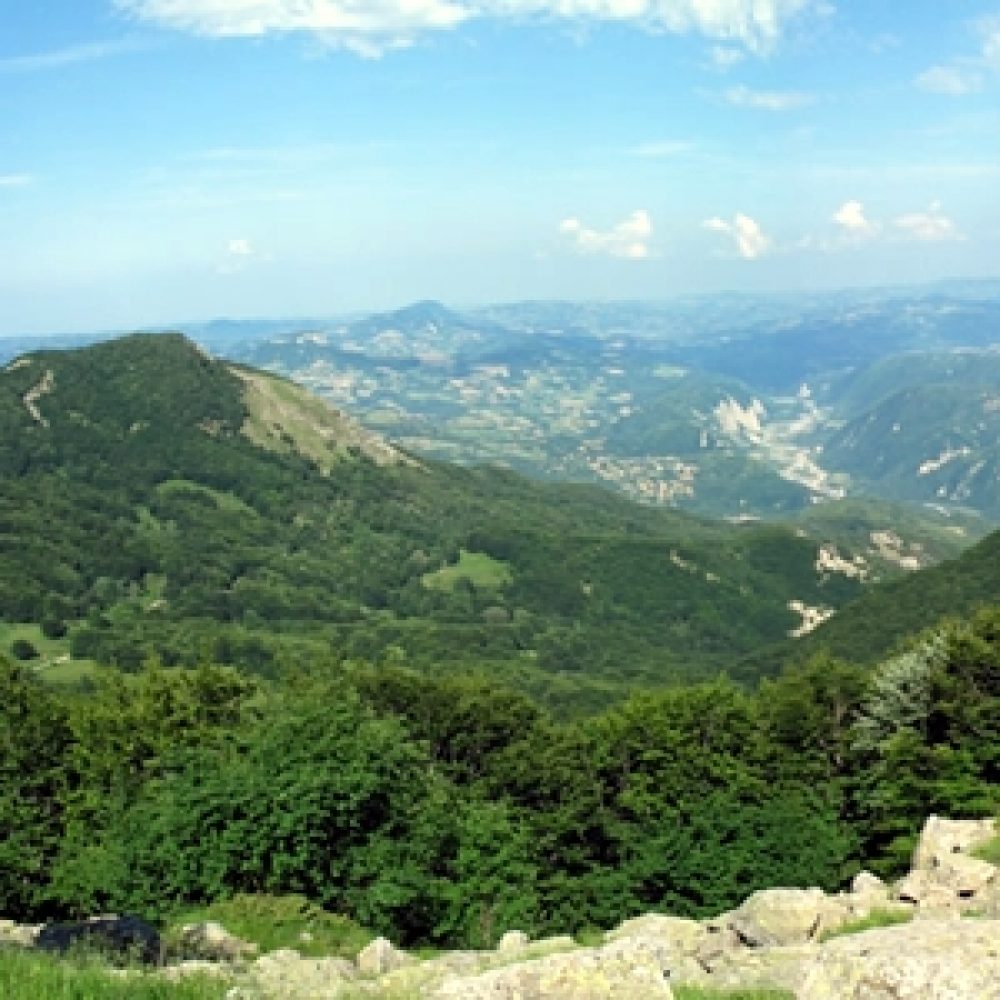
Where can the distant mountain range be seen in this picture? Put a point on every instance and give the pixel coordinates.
(729, 406)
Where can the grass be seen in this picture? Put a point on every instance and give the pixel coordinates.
(26, 975)
(54, 663)
(273, 922)
(222, 499)
(479, 569)
(875, 919)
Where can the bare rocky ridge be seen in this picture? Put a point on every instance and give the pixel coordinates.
(946, 947)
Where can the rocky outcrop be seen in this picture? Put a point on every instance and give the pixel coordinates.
(212, 942)
(932, 959)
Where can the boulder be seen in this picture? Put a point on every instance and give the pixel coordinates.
(941, 839)
(21, 935)
(683, 936)
(784, 916)
(931, 959)
(867, 884)
(211, 941)
(285, 974)
(513, 941)
(621, 970)
(381, 956)
(124, 938)
(956, 882)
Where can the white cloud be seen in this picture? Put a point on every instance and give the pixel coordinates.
(57, 58)
(930, 226)
(768, 100)
(628, 239)
(15, 180)
(745, 232)
(370, 27)
(241, 248)
(851, 218)
(951, 80)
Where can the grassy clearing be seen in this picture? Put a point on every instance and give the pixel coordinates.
(875, 919)
(479, 569)
(221, 499)
(54, 663)
(273, 922)
(28, 975)
(50, 651)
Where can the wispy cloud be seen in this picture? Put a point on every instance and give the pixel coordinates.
(660, 149)
(955, 81)
(768, 100)
(15, 180)
(746, 234)
(929, 226)
(372, 27)
(629, 239)
(726, 56)
(967, 74)
(69, 56)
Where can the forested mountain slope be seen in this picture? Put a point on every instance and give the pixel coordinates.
(867, 628)
(158, 502)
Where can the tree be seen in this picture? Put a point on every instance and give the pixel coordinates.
(34, 737)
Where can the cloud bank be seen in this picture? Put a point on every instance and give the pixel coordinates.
(371, 27)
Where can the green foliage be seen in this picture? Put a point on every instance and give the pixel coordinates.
(34, 740)
(28, 975)
(927, 737)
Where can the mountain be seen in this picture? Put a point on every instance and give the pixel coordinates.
(158, 502)
(925, 428)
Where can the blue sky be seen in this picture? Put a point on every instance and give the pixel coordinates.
(183, 159)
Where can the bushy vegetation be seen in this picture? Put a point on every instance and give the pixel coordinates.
(446, 812)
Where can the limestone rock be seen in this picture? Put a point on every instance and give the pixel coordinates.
(513, 941)
(866, 884)
(943, 838)
(21, 935)
(287, 975)
(210, 940)
(784, 916)
(683, 936)
(380, 957)
(931, 959)
(621, 970)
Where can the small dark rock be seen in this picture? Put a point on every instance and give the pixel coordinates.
(124, 938)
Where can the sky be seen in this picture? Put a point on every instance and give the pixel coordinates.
(168, 160)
